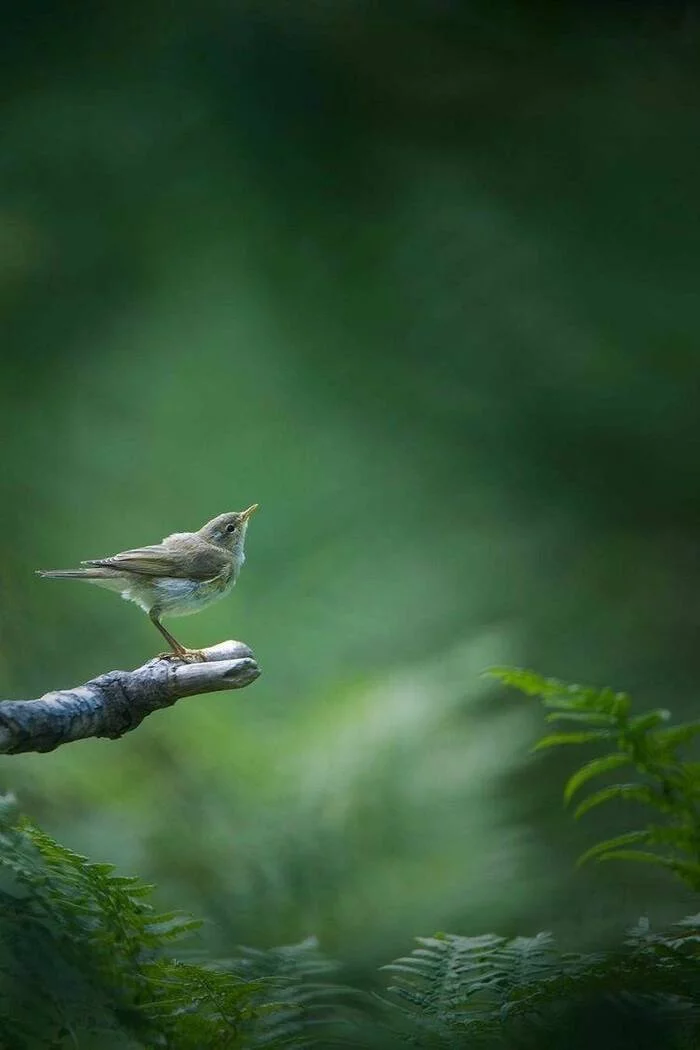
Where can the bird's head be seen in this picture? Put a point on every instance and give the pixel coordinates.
(228, 530)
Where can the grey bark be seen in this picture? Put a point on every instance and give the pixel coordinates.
(118, 701)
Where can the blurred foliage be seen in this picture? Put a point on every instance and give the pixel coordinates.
(87, 962)
(524, 992)
(665, 783)
(420, 279)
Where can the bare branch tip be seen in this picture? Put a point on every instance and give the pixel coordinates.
(117, 702)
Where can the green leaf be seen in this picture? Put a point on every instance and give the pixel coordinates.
(682, 836)
(641, 723)
(643, 856)
(562, 695)
(628, 839)
(689, 871)
(526, 681)
(551, 691)
(676, 735)
(627, 792)
(584, 717)
(594, 768)
(585, 737)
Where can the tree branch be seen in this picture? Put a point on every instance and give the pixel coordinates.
(118, 701)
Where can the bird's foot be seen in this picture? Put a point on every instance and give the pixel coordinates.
(186, 656)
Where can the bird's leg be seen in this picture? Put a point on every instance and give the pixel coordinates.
(179, 652)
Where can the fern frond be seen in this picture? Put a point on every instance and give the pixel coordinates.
(523, 992)
(91, 942)
(668, 784)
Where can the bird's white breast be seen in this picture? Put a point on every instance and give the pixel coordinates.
(176, 597)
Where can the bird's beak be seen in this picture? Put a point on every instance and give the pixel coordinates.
(245, 514)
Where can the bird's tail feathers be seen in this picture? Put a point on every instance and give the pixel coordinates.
(75, 574)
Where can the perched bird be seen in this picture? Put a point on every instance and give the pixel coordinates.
(181, 575)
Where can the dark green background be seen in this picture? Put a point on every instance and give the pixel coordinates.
(422, 280)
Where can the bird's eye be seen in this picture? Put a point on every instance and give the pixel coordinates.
(231, 528)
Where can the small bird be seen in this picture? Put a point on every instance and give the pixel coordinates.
(178, 576)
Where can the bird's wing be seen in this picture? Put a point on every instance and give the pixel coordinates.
(204, 561)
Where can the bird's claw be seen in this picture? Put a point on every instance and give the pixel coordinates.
(187, 656)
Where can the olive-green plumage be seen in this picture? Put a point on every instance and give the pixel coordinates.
(178, 576)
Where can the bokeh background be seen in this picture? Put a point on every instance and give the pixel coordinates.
(422, 280)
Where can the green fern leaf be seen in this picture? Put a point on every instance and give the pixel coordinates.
(583, 717)
(642, 723)
(528, 682)
(676, 735)
(643, 856)
(563, 695)
(584, 737)
(594, 768)
(627, 793)
(628, 839)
